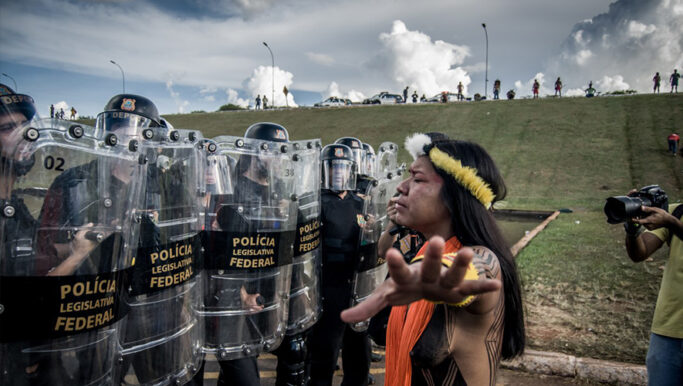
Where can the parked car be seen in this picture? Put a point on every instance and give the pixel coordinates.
(333, 101)
(383, 98)
(452, 97)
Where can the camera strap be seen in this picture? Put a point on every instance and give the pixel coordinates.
(678, 211)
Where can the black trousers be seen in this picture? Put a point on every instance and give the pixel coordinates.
(331, 334)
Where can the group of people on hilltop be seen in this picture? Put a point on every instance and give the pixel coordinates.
(673, 81)
(260, 100)
(61, 114)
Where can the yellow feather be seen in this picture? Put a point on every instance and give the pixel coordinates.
(464, 175)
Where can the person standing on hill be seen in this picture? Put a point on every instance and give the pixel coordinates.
(535, 88)
(460, 87)
(665, 354)
(73, 113)
(657, 80)
(496, 89)
(52, 111)
(673, 139)
(258, 102)
(265, 101)
(674, 80)
(405, 95)
(558, 87)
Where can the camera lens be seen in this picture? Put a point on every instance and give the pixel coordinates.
(622, 208)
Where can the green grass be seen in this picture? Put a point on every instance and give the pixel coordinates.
(583, 296)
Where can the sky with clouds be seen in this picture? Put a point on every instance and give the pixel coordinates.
(189, 55)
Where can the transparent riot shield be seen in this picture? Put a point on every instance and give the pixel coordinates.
(248, 249)
(373, 268)
(162, 336)
(304, 296)
(68, 196)
(387, 158)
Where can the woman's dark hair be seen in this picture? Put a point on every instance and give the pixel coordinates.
(473, 225)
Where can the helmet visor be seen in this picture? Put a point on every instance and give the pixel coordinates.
(338, 175)
(121, 123)
(369, 165)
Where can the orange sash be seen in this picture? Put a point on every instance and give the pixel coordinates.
(406, 324)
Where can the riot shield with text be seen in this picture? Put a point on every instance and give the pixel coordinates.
(68, 196)
(248, 249)
(373, 268)
(162, 336)
(304, 296)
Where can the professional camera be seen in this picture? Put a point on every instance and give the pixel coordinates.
(623, 208)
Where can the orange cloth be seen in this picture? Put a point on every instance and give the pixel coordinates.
(406, 324)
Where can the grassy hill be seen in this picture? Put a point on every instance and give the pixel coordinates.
(583, 295)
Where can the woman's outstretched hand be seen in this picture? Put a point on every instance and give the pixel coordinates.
(427, 279)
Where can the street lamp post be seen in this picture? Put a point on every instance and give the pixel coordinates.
(13, 81)
(272, 90)
(486, 76)
(123, 77)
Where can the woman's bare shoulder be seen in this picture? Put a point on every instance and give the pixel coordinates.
(486, 262)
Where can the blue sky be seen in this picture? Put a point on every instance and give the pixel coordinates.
(199, 54)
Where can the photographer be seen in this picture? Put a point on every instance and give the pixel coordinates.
(665, 353)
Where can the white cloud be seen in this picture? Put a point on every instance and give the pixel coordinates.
(414, 60)
(333, 90)
(582, 57)
(262, 82)
(208, 90)
(634, 39)
(322, 59)
(234, 99)
(611, 83)
(639, 30)
(181, 104)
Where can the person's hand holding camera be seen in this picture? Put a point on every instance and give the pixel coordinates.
(654, 218)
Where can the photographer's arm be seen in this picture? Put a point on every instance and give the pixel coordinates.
(642, 246)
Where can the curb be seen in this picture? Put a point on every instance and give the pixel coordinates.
(564, 365)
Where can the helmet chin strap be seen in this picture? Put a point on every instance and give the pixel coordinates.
(19, 168)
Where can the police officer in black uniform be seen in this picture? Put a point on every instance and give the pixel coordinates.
(342, 219)
(15, 111)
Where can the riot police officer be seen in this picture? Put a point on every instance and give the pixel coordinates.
(363, 180)
(164, 291)
(52, 330)
(343, 220)
(304, 295)
(248, 252)
(368, 170)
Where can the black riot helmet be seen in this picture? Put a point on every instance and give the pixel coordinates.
(267, 131)
(356, 148)
(369, 164)
(128, 115)
(12, 103)
(15, 111)
(339, 168)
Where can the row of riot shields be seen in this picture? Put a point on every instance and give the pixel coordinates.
(127, 254)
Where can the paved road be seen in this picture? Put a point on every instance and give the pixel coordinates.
(267, 364)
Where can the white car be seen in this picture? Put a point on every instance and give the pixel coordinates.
(383, 98)
(333, 102)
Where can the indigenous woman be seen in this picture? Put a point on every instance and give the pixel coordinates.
(457, 308)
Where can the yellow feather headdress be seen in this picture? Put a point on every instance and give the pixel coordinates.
(465, 175)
